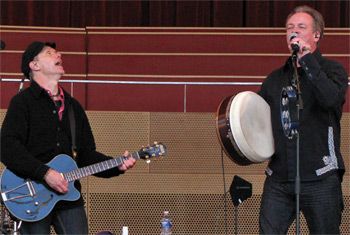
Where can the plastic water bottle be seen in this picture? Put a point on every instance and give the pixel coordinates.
(165, 224)
(125, 230)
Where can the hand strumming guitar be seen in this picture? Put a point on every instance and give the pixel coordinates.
(55, 180)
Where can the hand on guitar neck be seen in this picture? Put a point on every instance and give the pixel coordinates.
(127, 164)
(56, 181)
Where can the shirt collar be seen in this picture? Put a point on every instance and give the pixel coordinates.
(316, 54)
(37, 90)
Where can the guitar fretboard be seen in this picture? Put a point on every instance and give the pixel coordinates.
(96, 168)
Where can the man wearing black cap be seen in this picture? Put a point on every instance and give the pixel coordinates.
(37, 128)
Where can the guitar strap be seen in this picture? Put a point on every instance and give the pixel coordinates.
(72, 129)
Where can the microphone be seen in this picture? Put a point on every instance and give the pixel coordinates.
(2, 45)
(295, 45)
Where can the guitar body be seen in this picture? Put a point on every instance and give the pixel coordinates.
(36, 200)
(32, 201)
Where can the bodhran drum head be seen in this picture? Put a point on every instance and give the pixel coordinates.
(243, 126)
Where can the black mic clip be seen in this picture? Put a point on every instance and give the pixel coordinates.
(295, 45)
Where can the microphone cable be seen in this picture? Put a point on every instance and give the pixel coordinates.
(218, 213)
(224, 198)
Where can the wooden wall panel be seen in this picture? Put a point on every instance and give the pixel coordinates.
(204, 98)
(204, 40)
(167, 55)
(70, 42)
(182, 64)
(194, 55)
(165, 98)
(67, 39)
(73, 63)
(189, 181)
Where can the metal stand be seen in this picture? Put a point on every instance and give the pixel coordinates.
(8, 225)
(16, 226)
(223, 171)
(299, 104)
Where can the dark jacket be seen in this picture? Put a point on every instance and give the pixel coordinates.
(323, 88)
(32, 135)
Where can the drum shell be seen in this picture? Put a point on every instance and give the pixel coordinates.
(245, 132)
(225, 136)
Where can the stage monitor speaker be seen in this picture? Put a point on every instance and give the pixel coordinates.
(240, 190)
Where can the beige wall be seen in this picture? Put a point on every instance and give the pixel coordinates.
(188, 181)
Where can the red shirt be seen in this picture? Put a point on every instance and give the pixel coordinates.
(60, 96)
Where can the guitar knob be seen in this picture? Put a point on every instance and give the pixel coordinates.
(36, 203)
(28, 211)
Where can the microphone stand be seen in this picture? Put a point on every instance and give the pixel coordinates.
(299, 104)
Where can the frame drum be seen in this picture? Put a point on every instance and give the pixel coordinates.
(244, 130)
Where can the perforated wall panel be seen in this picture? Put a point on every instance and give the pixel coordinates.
(345, 140)
(193, 145)
(189, 181)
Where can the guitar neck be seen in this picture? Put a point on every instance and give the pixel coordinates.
(96, 168)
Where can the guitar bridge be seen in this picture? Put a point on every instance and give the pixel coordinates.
(17, 191)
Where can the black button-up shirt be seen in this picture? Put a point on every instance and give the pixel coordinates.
(323, 85)
(32, 135)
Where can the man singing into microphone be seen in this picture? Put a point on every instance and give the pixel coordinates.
(323, 85)
(37, 128)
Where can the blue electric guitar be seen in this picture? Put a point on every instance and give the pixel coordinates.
(32, 201)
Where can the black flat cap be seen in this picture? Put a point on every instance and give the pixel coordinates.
(33, 50)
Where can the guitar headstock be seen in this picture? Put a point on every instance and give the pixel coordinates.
(155, 150)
